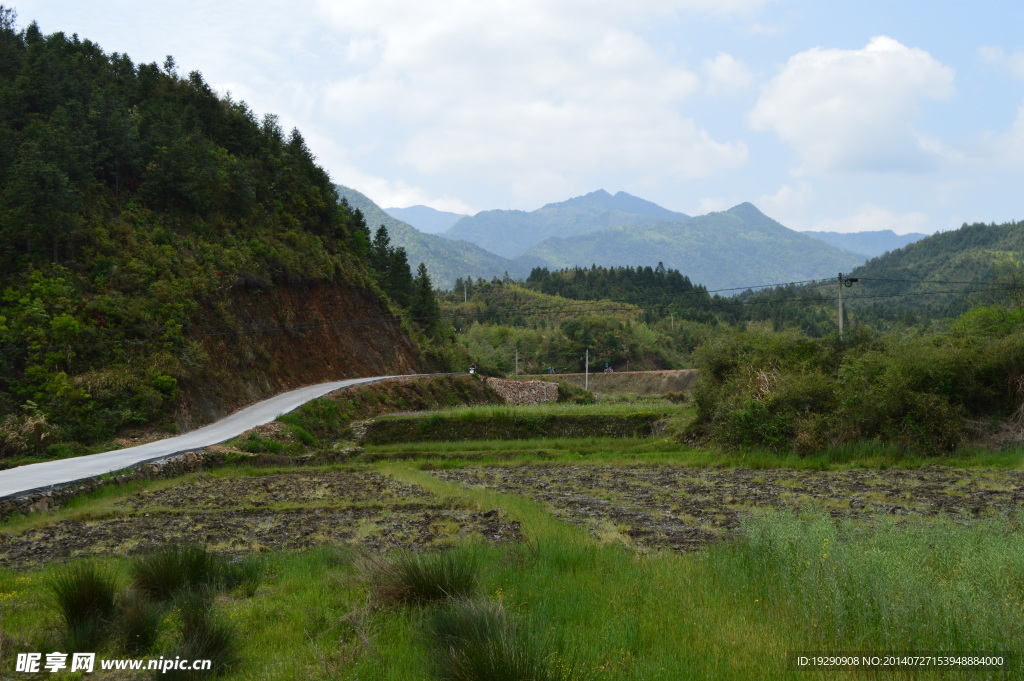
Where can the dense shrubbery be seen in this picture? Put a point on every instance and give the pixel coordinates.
(786, 391)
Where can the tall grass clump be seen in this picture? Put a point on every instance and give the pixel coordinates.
(475, 640)
(85, 595)
(202, 635)
(172, 569)
(922, 585)
(411, 577)
(138, 620)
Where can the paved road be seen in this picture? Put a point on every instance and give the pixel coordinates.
(37, 475)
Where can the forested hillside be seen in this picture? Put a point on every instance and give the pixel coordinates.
(165, 254)
(939, 277)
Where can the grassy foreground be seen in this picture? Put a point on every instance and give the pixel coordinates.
(564, 605)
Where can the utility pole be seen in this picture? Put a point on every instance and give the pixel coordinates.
(840, 304)
(847, 283)
(465, 296)
(517, 361)
(586, 371)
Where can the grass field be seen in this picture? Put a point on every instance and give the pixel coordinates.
(629, 559)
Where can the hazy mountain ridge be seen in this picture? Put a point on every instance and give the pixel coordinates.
(426, 219)
(871, 244)
(446, 259)
(510, 233)
(737, 247)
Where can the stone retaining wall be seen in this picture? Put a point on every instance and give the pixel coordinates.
(524, 392)
(50, 498)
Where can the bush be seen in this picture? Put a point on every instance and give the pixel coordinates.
(569, 392)
(409, 577)
(786, 392)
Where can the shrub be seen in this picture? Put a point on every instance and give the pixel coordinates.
(568, 392)
(254, 444)
(409, 577)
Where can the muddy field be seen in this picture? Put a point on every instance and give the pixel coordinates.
(684, 508)
(250, 514)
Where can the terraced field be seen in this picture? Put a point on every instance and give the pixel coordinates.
(253, 513)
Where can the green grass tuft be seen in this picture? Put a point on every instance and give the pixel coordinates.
(202, 636)
(170, 570)
(85, 595)
(476, 640)
(410, 577)
(138, 621)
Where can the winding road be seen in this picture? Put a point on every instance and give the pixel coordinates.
(41, 475)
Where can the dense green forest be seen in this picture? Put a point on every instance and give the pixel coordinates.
(132, 200)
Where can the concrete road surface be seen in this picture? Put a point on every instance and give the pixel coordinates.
(37, 475)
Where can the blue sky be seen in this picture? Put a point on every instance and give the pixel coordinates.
(837, 115)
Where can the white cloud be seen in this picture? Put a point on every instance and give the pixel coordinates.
(788, 204)
(502, 89)
(853, 110)
(714, 204)
(398, 194)
(726, 74)
(1004, 149)
(1014, 63)
(872, 218)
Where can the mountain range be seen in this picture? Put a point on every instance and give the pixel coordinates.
(734, 248)
(446, 259)
(511, 232)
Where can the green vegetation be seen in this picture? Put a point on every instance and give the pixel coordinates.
(554, 332)
(498, 423)
(918, 392)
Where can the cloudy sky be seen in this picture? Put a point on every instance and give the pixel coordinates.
(835, 115)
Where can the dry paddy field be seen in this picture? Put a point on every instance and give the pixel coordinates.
(653, 507)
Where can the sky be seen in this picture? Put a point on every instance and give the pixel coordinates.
(840, 116)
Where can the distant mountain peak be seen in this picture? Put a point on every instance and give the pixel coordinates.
(746, 209)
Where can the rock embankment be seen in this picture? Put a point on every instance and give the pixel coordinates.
(50, 498)
(524, 392)
(639, 382)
